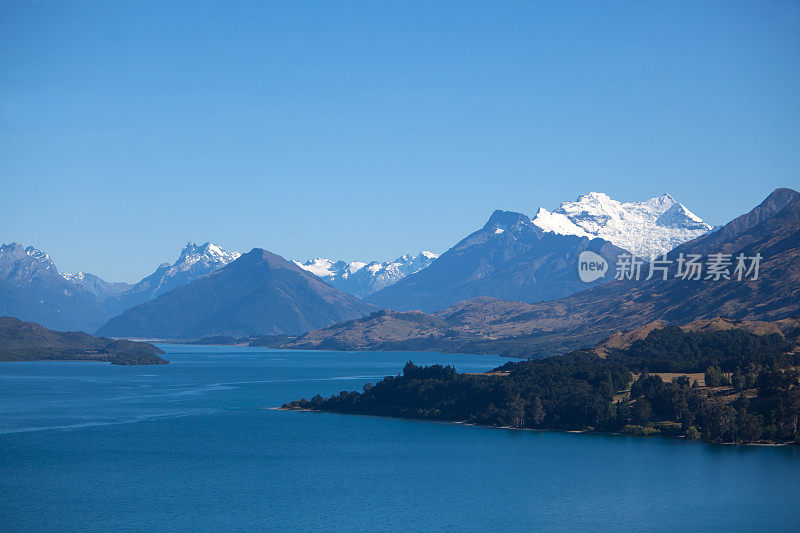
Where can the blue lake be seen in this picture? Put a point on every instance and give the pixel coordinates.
(195, 445)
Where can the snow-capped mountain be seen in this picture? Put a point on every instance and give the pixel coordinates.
(22, 265)
(194, 261)
(96, 285)
(259, 293)
(32, 289)
(509, 258)
(362, 279)
(652, 227)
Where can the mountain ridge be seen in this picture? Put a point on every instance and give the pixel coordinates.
(651, 227)
(31, 288)
(194, 261)
(259, 293)
(490, 325)
(508, 257)
(364, 278)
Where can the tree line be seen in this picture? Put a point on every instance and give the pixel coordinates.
(752, 393)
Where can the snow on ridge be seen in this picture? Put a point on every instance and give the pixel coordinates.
(24, 263)
(651, 227)
(207, 255)
(557, 223)
(320, 267)
(77, 277)
(363, 278)
(39, 255)
(194, 261)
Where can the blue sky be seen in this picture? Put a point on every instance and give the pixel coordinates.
(363, 130)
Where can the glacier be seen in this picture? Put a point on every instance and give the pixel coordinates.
(649, 228)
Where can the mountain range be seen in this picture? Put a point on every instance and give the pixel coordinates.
(194, 262)
(362, 279)
(511, 258)
(32, 289)
(490, 325)
(508, 258)
(517, 258)
(258, 293)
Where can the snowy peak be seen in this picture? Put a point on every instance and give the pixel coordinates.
(679, 217)
(18, 253)
(38, 255)
(33, 290)
(194, 261)
(503, 225)
(505, 220)
(363, 278)
(661, 203)
(652, 227)
(22, 265)
(204, 256)
(30, 267)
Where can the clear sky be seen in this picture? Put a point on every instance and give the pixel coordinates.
(364, 130)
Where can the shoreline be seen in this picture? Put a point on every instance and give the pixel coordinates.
(314, 349)
(549, 430)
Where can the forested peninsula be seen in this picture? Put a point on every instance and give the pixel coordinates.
(731, 386)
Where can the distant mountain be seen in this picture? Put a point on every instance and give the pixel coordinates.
(258, 293)
(509, 258)
(363, 279)
(31, 288)
(194, 261)
(25, 265)
(101, 288)
(652, 227)
(27, 341)
(489, 325)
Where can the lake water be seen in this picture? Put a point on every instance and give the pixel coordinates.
(194, 445)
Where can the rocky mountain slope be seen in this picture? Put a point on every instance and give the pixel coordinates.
(102, 289)
(259, 293)
(32, 289)
(488, 325)
(194, 261)
(509, 258)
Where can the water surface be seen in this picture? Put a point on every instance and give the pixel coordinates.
(195, 445)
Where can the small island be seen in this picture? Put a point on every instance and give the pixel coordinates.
(28, 341)
(719, 386)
